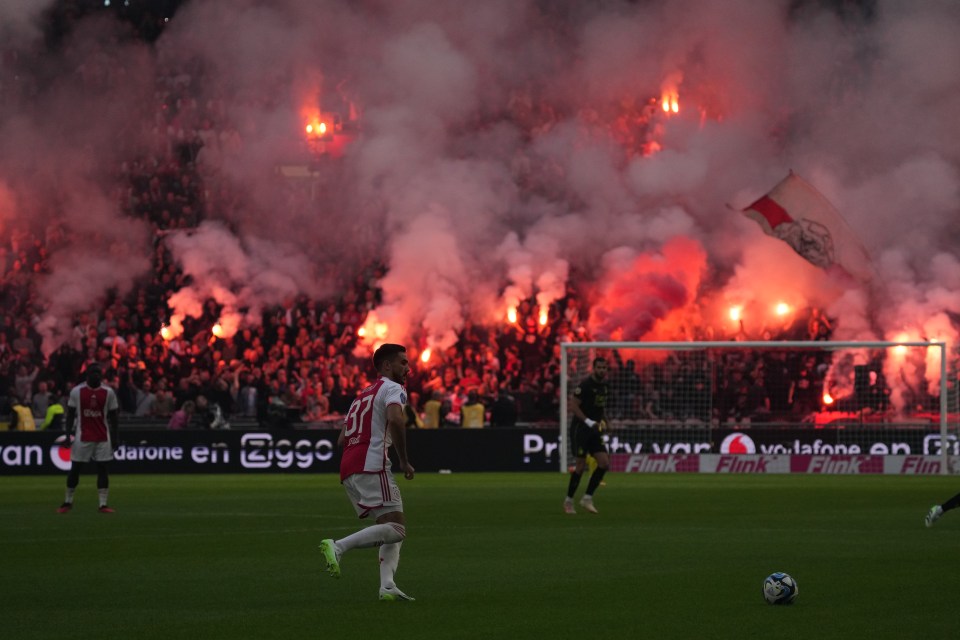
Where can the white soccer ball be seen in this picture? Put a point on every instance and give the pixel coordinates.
(779, 588)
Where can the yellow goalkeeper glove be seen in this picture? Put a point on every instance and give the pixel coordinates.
(591, 463)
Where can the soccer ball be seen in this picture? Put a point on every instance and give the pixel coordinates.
(779, 588)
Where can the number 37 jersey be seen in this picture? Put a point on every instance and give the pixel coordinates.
(365, 435)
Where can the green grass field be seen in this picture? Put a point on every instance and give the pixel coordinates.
(487, 556)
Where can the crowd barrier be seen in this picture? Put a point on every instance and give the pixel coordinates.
(712, 450)
(279, 450)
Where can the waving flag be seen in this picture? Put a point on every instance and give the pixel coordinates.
(795, 212)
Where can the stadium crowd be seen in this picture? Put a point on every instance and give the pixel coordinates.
(299, 364)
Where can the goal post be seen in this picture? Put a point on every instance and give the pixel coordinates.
(786, 398)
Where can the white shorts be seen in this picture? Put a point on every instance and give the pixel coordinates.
(91, 451)
(373, 493)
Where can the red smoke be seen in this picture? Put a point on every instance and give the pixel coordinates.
(648, 291)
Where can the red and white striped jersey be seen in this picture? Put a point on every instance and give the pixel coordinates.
(366, 439)
(92, 406)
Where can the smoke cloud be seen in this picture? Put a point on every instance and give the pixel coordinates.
(500, 147)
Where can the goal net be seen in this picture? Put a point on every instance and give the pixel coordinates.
(792, 403)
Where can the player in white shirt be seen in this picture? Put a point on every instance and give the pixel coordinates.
(92, 425)
(375, 422)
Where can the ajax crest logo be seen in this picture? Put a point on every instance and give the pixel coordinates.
(59, 454)
(738, 443)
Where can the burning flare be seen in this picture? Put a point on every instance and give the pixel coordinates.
(317, 128)
(670, 102)
(425, 356)
(901, 350)
(373, 328)
(670, 94)
(512, 315)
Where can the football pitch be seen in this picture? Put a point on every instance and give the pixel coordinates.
(487, 556)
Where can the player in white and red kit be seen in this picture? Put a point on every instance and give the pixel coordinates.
(92, 422)
(376, 421)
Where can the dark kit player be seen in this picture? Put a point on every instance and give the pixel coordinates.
(588, 406)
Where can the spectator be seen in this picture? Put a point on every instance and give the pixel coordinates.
(819, 326)
(503, 413)
(433, 410)
(114, 341)
(23, 382)
(758, 400)
(547, 403)
(53, 420)
(472, 413)
(247, 395)
(163, 404)
(221, 396)
(23, 343)
(807, 388)
(21, 418)
(208, 415)
(182, 417)
(318, 406)
(145, 399)
(525, 397)
(41, 400)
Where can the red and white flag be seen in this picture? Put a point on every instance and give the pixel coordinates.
(795, 212)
